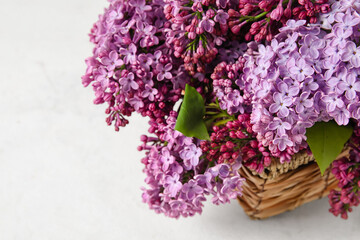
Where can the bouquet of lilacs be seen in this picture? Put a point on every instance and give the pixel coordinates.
(227, 84)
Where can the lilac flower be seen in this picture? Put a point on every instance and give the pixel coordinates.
(310, 84)
(334, 53)
(278, 12)
(280, 105)
(112, 61)
(235, 98)
(346, 21)
(341, 36)
(303, 102)
(145, 50)
(103, 77)
(125, 27)
(332, 102)
(351, 53)
(222, 3)
(166, 158)
(311, 46)
(163, 71)
(136, 103)
(149, 39)
(299, 130)
(301, 70)
(176, 168)
(191, 155)
(264, 89)
(224, 171)
(149, 92)
(207, 24)
(204, 179)
(280, 126)
(116, 14)
(221, 17)
(140, 6)
(287, 91)
(232, 186)
(262, 68)
(341, 116)
(282, 142)
(130, 54)
(292, 25)
(191, 189)
(128, 82)
(265, 53)
(172, 183)
(289, 45)
(350, 86)
(145, 61)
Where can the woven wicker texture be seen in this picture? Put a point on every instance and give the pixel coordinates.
(301, 158)
(283, 188)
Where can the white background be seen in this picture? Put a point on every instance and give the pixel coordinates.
(64, 174)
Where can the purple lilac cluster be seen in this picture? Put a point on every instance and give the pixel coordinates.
(132, 67)
(347, 172)
(337, 6)
(179, 178)
(303, 76)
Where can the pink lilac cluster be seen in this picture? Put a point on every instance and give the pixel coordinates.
(303, 76)
(235, 140)
(347, 172)
(132, 67)
(269, 15)
(198, 28)
(179, 177)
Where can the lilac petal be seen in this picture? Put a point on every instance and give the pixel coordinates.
(168, 67)
(134, 85)
(346, 56)
(273, 125)
(160, 76)
(350, 94)
(307, 70)
(287, 101)
(308, 103)
(277, 97)
(168, 75)
(274, 108)
(355, 61)
(299, 108)
(284, 112)
(356, 86)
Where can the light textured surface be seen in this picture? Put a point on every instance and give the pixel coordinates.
(64, 174)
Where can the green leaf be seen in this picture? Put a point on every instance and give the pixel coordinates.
(326, 141)
(190, 121)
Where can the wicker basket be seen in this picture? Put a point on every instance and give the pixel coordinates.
(283, 187)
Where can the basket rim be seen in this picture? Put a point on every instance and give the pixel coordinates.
(301, 158)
